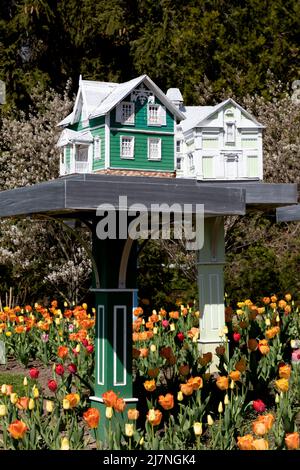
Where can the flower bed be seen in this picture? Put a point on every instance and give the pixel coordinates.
(250, 400)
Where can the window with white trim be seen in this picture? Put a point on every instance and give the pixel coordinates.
(230, 133)
(125, 112)
(191, 161)
(179, 145)
(127, 147)
(97, 148)
(154, 149)
(156, 115)
(179, 163)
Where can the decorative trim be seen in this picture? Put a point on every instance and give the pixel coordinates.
(208, 341)
(100, 342)
(100, 400)
(107, 141)
(141, 93)
(124, 382)
(140, 131)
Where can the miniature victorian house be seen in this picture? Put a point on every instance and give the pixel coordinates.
(133, 128)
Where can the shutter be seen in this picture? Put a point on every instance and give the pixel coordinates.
(119, 113)
(132, 147)
(162, 116)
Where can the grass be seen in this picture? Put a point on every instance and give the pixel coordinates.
(16, 380)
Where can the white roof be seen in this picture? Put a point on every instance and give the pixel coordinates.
(98, 98)
(174, 94)
(68, 137)
(197, 115)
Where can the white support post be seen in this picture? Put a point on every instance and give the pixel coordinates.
(211, 261)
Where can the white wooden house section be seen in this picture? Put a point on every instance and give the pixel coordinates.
(222, 142)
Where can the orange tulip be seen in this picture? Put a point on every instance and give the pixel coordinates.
(222, 382)
(167, 401)
(92, 417)
(174, 315)
(195, 382)
(259, 428)
(150, 385)
(285, 371)
(235, 375)
(288, 297)
(73, 399)
(144, 352)
(120, 405)
(292, 441)
(266, 300)
(187, 389)
(154, 417)
(138, 311)
(241, 365)
(109, 398)
(282, 304)
(260, 444)
(263, 346)
(272, 332)
(282, 385)
(245, 442)
(22, 403)
(133, 414)
(62, 351)
(17, 429)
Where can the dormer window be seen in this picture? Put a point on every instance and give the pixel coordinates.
(156, 115)
(230, 133)
(125, 112)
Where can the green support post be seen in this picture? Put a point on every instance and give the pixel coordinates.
(113, 302)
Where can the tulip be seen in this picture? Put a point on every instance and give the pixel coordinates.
(14, 398)
(17, 429)
(25, 382)
(210, 421)
(152, 348)
(109, 412)
(52, 385)
(59, 369)
(31, 404)
(72, 368)
(66, 404)
(282, 385)
(220, 407)
(129, 430)
(92, 417)
(180, 396)
(35, 392)
(245, 442)
(226, 400)
(34, 373)
(49, 406)
(167, 401)
(172, 326)
(197, 429)
(133, 414)
(65, 445)
(292, 441)
(3, 389)
(154, 417)
(3, 410)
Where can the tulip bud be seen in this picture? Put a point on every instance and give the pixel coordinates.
(3, 389)
(210, 421)
(225, 330)
(293, 344)
(35, 392)
(154, 312)
(172, 326)
(3, 410)
(129, 430)
(109, 412)
(141, 441)
(277, 318)
(78, 348)
(268, 322)
(220, 407)
(13, 398)
(277, 398)
(66, 404)
(151, 415)
(31, 404)
(197, 429)
(153, 348)
(57, 321)
(179, 396)
(232, 384)
(65, 444)
(25, 382)
(49, 406)
(65, 304)
(226, 400)
(155, 330)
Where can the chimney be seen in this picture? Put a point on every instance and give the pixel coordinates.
(175, 96)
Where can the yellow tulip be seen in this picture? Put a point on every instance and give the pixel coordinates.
(210, 421)
(49, 406)
(31, 404)
(197, 429)
(3, 410)
(129, 430)
(66, 404)
(65, 444)
(109, 412)
(14, 398)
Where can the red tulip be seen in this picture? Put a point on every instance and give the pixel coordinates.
(52, 385)
(236, 337)
(59, 369)
(180, 336)
(259, 406)
(90, 348)
(34, 373)
(85, 342)
(72, 368)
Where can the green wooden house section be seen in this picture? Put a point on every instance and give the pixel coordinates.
(129, 126)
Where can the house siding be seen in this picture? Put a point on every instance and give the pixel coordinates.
(99, 132)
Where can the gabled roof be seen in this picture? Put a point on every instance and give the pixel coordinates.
(98, 98)
(68, 136)
(196, 116)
